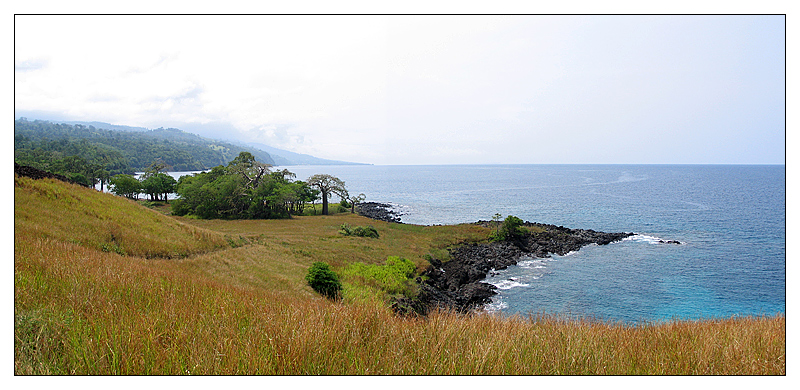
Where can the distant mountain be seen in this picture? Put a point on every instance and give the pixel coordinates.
(182, 150)
(107, 126)
(285, 157)
(59, 118)
(130, 150)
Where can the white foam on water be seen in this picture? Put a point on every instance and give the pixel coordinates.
(532, 263)
(509, 284)
(645, 238)
(495, 305)
(400, 209)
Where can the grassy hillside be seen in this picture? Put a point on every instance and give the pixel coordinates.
(50, 209)
(103, 285)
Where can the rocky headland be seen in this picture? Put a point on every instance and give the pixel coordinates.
(457, 283)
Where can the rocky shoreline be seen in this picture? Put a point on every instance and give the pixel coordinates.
(457, 283)
(378, 211)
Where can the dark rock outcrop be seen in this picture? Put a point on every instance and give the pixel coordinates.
(378, 211)
(34, 173)
(457, 283)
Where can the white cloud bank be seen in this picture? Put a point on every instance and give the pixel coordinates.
(425, 89)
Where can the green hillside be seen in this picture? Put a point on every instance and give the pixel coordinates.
(37, 142)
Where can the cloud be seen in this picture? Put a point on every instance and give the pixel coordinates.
(395, 89)
(30, 65)
(161, 61)
(103, 98)
(275, 135)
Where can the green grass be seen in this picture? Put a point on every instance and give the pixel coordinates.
(392, 277)
(179, 298)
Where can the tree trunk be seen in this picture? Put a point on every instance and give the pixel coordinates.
(324, 203)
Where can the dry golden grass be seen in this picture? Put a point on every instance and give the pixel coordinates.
(66, 212)
(245, 309)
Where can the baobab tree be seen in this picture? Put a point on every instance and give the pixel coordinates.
(327, 185)
(354, 200)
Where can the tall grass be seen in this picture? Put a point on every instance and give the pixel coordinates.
(66, 212)
(246, 310)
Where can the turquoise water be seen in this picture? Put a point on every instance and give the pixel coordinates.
(731, 220)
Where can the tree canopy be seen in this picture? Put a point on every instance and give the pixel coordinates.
(328, 185)
(125, 185)
(244, 188)
(38, 142)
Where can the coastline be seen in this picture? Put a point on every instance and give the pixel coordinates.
(378, 211)
(457, 283)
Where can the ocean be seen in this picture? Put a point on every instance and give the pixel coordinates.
(730, 219)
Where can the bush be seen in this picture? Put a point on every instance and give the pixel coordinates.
(360, 231)
(509, 229)
(180, 208)
(393, 276)
(323, 280)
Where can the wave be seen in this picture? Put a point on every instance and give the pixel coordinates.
(653, 240)
(509, 284)
(495, 306)
(532, 263)
(400, 209)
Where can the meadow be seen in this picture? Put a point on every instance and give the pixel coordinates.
(106, 286)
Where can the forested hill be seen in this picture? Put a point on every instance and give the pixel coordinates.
(123, 151)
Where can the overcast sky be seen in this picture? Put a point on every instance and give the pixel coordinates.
(425, 89)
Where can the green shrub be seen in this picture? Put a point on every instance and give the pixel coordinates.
(509, 229)
(360, 231)
(323, 280)
(180, 208)
(346, 230)
(392, 277)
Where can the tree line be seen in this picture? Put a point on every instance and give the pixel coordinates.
(248, 189)
(37, 143)
(244, 188)
(156, 184)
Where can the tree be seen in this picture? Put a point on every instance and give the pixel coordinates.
(96, 174)
(103, 177)
(244, 188)
(306, 194)
(125, 185)
(156, 183)
(158, 186)
(327, 185)
(250, 170)
(155, 168)
(354, 200)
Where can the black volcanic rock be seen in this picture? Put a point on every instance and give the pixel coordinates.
(37, 174)
(457, 283)
(378, 211)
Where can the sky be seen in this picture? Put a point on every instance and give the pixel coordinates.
(452, 89)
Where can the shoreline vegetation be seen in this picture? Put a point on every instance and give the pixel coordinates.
(107, 285)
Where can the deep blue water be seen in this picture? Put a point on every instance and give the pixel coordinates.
(730, 218)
